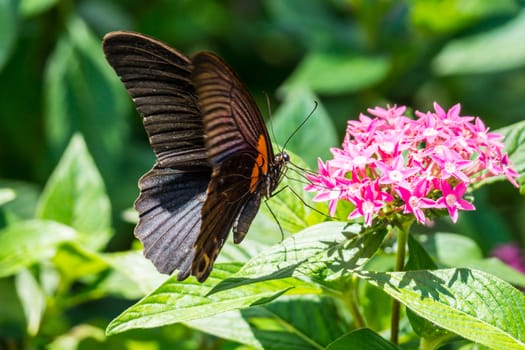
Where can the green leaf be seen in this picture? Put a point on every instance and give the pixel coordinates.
(8, 28)
(133, 275)
(6, 195)
(515, 147)
(29, 8)
(75, 195)
(336, 73)
(23, 206)
(83, 94)
(33, 299)
(418, 258)
(444, 16)
(26, 242)
(188, 300)
(74, 262)
(470, 303)
(451, 249)
(72, 340)
(322, 252)
(493, 51)
(499, 269)
(304, 322)
(363, 338)
(313, 139)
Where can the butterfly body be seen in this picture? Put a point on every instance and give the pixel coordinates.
(214, 158)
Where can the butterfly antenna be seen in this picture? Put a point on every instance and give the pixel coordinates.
(301, 125)
(270, 118)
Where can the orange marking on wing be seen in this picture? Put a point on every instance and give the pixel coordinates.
(260, 167)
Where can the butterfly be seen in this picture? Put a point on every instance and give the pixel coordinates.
(214, 157)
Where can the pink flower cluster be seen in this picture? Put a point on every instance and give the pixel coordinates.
(392, 163)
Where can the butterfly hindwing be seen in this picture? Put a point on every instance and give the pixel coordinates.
(169, 208)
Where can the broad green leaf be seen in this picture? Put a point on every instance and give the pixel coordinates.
(499, 269)
(375, 307)
(298, 322)
(419, 259)
(75, 195)
(26, 242)
(33, 299)
(83, 94)
(338, 73)
(72, 340)
(314, 24)
(8, 28)
(322, 252)
(470, 303)
(6, 195)
(496, 50)
(23, 206)
(12, 318)
(133, 275)
(242, 252)
(74, 262)
(313, 139)
(453, 250)
(363, 338)
(29, 8)
(515, 147)
(444, 16)
(175, 301)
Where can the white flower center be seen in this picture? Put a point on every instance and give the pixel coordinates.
(414, 202)
(359, 161)
(428, 132)
(387, 147)
(450, 167)
(395, 175)
(451, 200)
(368, 207)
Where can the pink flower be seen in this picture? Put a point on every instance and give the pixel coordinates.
(390, 163)
(451, 164)
(416, 199)
(370, 201)
(453, 199)
(512, 255)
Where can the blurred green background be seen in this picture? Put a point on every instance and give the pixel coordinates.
(348, 55)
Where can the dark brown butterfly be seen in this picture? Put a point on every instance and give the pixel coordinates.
(214, 156)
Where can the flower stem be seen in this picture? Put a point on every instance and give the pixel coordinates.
(351, 301)
(402, 237)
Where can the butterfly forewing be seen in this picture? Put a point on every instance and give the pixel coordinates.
(232, 121)
(158, 78)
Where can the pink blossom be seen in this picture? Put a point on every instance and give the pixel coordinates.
(416, 199)
(390, 163)
(452, 199)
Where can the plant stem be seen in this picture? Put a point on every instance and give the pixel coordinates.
(402, 237)
(351, 301)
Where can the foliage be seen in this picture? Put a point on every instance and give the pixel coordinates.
(72, 149)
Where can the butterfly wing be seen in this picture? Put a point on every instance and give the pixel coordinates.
(158, 79)
(172, 194)
(239, 149)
